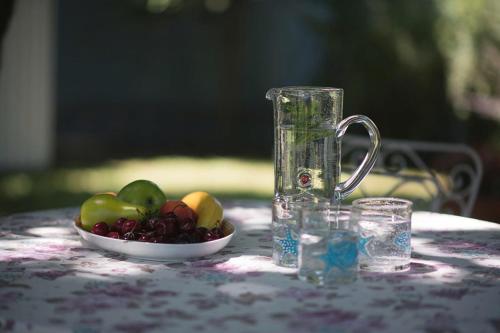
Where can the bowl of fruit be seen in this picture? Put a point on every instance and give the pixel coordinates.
(140, 222)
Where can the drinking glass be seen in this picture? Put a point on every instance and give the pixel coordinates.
(285, 228)
(328, 252)
(384, 233)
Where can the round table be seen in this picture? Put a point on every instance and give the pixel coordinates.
(51, 283)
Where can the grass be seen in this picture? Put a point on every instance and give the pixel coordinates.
(177, 176)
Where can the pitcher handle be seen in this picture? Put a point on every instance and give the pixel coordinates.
(343, 189)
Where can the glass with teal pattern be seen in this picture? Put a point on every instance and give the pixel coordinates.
(328, 252)
(385, 233)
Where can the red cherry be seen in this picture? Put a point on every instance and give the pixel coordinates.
(210, 236)
(118, 225)
(167, 227)
(200, 233)
(183, 238)
(129, 226)
(100, 229)
(113, 234)
(150, 224)
(186, 225)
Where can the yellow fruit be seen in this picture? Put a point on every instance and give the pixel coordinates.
(208, 209)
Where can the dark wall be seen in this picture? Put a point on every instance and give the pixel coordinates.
(133, 83)
(190, 81)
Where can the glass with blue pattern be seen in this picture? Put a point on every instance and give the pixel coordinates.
(385, 233)
(328, 247)
(285, 229)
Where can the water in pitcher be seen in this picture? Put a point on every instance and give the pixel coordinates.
(307, 166)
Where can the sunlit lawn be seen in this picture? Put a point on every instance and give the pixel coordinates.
(223, 177)
(177, 176)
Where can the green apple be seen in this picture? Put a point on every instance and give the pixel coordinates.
(108, 208)
(144, 193)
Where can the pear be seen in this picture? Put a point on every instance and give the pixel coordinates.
(144, 193)
(108, 208)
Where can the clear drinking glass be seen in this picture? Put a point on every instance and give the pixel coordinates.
(285, 228)
(328, 246)
(309, 128)
(384, 233)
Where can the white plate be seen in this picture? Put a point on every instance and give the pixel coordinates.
(156, 251)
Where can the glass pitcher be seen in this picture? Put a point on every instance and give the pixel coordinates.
(308, 130)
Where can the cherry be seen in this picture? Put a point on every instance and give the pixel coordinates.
(186, 224)
(150, 224)
(166, 227)
(171, 227)
(100, 229)
(160, 227)
(118, 225)
(199, 234)
(113, 234)
(183, 238)
(210, 236)
(195, 237)
(219, 231)
(129, 226)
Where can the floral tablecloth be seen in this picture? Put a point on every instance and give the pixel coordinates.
(49, 282)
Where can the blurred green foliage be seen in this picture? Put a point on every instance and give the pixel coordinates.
(468, 36)
(436, 62)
